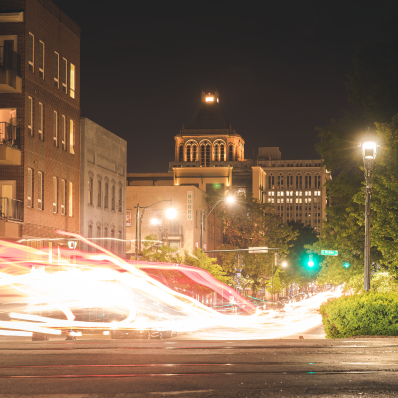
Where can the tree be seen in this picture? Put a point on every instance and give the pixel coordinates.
(252, 224)
(154, 251)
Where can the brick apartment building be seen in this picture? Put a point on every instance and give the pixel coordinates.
(39, 121)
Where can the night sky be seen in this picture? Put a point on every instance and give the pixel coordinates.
(280, 68)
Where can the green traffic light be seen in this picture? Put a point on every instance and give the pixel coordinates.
(346, 265)
(310, 263)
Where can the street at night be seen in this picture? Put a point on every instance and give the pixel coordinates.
(187, 367)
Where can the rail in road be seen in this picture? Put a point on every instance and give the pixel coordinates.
(199, 368)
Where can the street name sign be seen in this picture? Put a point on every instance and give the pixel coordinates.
(258, 250)
(329, 252)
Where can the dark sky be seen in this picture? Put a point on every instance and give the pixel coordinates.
(280, 68)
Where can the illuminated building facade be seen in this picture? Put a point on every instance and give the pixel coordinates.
(183, 232)
(39, 121)
(210, 154)
(102, 186)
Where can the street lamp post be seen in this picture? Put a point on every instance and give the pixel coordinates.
(229, 199)
(369, 150)
(170, 213)
(156, 221)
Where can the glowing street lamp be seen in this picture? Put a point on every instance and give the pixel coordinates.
(170, 213)
(284, 264)
(369, 151)
(228, 199)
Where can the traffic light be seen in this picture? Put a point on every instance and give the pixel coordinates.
(310, 261)
(346, 264)
(240, 261)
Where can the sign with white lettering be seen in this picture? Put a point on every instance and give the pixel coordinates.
(189, 205)
(258, 250)
(329, 253)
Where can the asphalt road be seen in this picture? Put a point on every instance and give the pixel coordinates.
(185, 367)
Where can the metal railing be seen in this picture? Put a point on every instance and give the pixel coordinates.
(10, 209)
(10, 60)
(9, 134)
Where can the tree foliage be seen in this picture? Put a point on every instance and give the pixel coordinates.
(249, 223)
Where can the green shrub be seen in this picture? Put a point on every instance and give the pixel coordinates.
(367, 314)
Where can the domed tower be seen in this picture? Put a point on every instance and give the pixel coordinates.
(208, 139)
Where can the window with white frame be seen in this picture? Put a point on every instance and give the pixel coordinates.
(41, 59)
(64, 75)
(99, 201)
(120, 199)
(56, 69)
(72, 81)
(70, 199)
(31, 52)
(30, 187)
(106, 195)
(30, 115)
(63, 127)
(55, 128)
(40, 204)
(41, 120)
(90, 190)
(55, 195)
(71, 136)
(63, 196)
(113, 193)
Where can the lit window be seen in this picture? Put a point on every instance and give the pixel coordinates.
(40, 190)
(63, 126)
(55, 127)
(70, 199)
(209, 99)
(30, 185)
(30, 115)
(56, 69)
(41, 119)
(31, 52)
(41, 59)
(64, 75)
(55, 195)
(71, 136)
(72, 81)
(63, 196)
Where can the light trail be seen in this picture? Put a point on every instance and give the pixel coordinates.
(73, 291)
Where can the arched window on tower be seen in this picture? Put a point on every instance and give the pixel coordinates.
(219, 151)
(205, 153)
(191, 151)
(180, 153)
(231, 153)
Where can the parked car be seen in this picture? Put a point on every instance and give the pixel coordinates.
(284, 300)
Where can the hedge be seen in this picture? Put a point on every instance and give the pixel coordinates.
(366, 314)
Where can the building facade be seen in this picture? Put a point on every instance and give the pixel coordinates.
(182, 232)
(39, 121)
(210, 154)
(103, 186)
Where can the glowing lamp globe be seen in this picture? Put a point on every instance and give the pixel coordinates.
(171, 213)
(230, 199)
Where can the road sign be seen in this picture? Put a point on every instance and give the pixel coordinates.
(257, 250)
(329, 252)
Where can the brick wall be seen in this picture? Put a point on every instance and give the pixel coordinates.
(48, 24)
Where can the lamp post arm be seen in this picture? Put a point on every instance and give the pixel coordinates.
(210, 209)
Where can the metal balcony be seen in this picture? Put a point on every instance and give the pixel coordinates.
(10, 71)
(10, 154)
(10, 209)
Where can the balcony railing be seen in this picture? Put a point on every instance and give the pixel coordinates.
(10, 60)
(9, 135)
(10, 209)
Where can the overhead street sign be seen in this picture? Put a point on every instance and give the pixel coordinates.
(329, 252)
(257, 250)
